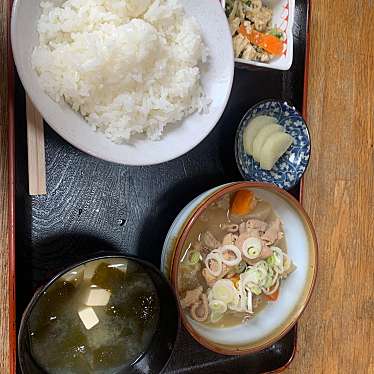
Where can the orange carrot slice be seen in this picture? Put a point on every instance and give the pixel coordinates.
(243, 203)
(273, 297)
(269, 43)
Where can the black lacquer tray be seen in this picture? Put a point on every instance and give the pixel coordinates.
(93, 206)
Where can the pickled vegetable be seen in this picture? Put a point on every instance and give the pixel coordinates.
(252, 129)
(274, 147)
(262, 136)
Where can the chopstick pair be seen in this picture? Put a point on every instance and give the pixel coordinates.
(35, 150)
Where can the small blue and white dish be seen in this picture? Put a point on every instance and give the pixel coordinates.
(289, 169)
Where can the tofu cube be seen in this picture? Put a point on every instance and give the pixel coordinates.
(88, 317)
(97, 297)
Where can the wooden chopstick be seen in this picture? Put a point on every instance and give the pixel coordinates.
(35, 150)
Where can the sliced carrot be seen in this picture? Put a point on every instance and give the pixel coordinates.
(273, 297)
(235, 279)
(243, 203)
(269, 43)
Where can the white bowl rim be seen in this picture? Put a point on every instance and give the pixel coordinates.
(296, 313)
(31, 91)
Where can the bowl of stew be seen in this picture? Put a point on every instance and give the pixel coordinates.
(111, 314)
(242, 259)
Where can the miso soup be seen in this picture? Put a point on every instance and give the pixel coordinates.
(97, 318)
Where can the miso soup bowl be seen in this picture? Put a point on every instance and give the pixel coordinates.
(156, 356)
(277, 318)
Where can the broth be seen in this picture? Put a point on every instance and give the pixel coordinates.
(213, 220)
(62, 343)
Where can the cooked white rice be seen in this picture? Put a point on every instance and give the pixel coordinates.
(128, 66)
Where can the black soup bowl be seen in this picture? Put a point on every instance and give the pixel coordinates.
(76, 344)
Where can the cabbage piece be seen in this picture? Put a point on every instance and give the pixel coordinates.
(225, 291)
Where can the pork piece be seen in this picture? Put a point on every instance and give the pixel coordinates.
(192, 297)
(197, 246)
(242, 228)
(229, 255)
(241, 239)
(273, 233)
(229, 238)
(200, 310)
(210, 241)
(230, 227)
(211, 279)
(265, 252)
(257, 225)
(253, 233)
(252, 227)
(214, 266)
(202, 248)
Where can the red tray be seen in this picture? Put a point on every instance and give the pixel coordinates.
(287, 88)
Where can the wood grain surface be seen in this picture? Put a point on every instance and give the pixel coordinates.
(336, 331)
(4, 351)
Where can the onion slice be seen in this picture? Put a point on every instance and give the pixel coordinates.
(214, 257)
(225, 291)
(252, 248)
(234, 249)
(218, 306)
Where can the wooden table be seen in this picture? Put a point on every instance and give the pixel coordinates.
(336, 333)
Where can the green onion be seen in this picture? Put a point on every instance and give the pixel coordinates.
(193, 257)
(218, 306)
(271, 260)
(276, 33)
(240, 267)
(256, 290)
(253, 252)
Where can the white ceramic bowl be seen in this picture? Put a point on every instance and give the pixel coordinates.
(283, 18)
(176, 228)
(217, 80)
(277, 318)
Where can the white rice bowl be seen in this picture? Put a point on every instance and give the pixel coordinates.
(189, 86)
(125, 75)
